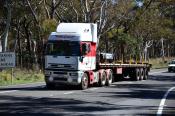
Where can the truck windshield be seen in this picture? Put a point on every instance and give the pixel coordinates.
(63, 48)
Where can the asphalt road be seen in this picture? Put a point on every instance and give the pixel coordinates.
(155, 96)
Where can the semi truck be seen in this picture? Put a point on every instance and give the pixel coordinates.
(72, 58)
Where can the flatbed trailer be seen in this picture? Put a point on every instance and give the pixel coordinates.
(138, 71)
(107, 65)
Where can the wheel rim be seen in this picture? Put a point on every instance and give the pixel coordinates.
(110, 78)
(138, 76)
(103, 79)
(84, 82)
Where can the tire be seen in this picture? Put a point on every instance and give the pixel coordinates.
(145, 74)
(109, 80)
(136, 77)
(50, 85)
(141, 74)
(84, 82)
(102, 79)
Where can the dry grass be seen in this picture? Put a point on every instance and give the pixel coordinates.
(159, 63)
(19, 77)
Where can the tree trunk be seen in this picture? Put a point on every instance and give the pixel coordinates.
(6, 32)
(163, 51)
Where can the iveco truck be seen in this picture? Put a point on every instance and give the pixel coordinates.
(71, 58)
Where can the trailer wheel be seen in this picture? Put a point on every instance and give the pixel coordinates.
(145, 74)
(84, 82)
(137, 75)
(141, 74)
(109, 79)
(102, 80)
(50, 85)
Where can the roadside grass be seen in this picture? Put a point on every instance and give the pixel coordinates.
(159, 63)
(19, 77)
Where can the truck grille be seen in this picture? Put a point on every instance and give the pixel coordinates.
(60, 73)
(61, 66)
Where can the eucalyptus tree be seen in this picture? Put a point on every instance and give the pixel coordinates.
(7, 10)
(125, 15)
(87, 11)
(124, 26)
(166, 35)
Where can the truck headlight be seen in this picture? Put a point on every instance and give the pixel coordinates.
(50, 79)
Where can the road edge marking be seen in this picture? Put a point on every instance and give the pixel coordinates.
(156, 72)
(66, 93)
(8, 91)
(161, 105)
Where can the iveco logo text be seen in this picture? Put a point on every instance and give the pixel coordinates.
(60, 65)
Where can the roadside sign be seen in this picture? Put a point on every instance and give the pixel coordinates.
(7, 59)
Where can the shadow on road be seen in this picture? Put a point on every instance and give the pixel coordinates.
(163, 77)
(72, 106)
(154, 88)
(27, 106)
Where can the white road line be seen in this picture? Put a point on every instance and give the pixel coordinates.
(162, 103)
(68, 93)
(156, 72)
(92, 89)
(8, 91)
(130, 82)
(112, 85)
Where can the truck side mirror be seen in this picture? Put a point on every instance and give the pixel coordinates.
(85, 48)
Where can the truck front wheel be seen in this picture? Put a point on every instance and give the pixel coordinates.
(84, 82)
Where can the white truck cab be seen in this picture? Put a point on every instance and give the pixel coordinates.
(70, 51)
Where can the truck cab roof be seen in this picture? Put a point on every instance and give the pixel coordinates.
(86, 31)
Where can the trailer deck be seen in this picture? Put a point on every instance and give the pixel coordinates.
(110, 65)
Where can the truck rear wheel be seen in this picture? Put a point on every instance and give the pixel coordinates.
(102, 79)
(136, 75)
(84, 82)
(145, 74)
(109, 79)
(141, 74)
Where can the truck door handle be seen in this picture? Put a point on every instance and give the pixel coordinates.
(67, 57)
